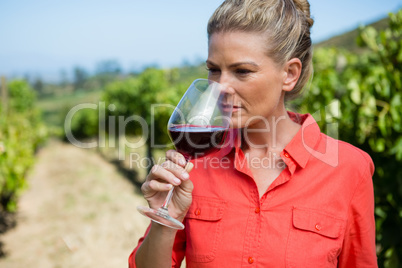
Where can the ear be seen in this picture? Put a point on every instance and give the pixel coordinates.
(292, 71)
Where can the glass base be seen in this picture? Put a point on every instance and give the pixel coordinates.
(161, 216)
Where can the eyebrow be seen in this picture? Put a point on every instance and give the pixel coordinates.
(235, 64)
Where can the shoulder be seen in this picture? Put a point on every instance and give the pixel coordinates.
(349, 157)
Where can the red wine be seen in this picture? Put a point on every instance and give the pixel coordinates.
(197, 141)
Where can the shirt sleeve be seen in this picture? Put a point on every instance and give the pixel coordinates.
(359, 244)
(179, 249)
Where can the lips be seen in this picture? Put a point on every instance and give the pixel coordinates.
(235, 107)
(227, 107)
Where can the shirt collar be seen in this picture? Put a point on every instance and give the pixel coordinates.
(299, 148)
(305, 140)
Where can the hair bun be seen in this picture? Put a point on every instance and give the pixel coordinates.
(304, 6)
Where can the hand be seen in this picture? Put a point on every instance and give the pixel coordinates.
(162, 178)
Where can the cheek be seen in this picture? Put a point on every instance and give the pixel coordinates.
(256, 98)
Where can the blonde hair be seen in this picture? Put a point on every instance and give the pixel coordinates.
(286, 24)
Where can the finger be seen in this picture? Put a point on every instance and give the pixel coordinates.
(188, 184)
(177, 170)
(165, 174)
(155, 186)
(189, 166)
(176, 157)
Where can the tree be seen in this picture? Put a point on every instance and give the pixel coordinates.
(108, 67)
(107, 71)
(63, 78)
(38, 85)
(80, 76)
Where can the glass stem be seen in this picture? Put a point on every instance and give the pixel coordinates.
(167, 200)
(170, 193)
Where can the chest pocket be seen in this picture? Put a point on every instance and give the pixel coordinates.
(315, 239)
(203, 228)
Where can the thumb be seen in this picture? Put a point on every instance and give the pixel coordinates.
(189, 166)
(187, 185)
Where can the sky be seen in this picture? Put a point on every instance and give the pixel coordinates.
(44, 37)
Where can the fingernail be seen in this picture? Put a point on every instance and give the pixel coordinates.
(185, 175)
(189, 167)
(182, 162)
(176, 180)
(169, 186)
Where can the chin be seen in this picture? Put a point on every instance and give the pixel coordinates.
(237, 123)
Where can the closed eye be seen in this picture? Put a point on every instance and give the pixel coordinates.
(243, 71)
(213, 70)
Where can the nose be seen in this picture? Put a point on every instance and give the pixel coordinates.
(228, 89)
(226, 82)
(227, 92)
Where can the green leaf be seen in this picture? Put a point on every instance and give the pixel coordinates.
(355, 94)
(368, 36)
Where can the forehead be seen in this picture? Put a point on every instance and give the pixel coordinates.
(238, 46)
(239, 39)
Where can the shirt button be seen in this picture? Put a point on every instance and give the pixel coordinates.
(318, 227)
(286, 155)
(250, 260)
(197, 212)
(257, 210)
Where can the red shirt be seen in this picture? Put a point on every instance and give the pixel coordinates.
(319, 212)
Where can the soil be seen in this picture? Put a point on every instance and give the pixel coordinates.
(78, 210)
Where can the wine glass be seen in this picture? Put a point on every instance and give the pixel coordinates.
(197, 127)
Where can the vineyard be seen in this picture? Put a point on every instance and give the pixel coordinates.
(355, 96)
(21, 132)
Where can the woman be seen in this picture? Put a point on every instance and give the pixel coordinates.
(286, 195)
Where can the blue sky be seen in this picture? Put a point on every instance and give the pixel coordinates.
(43, 37)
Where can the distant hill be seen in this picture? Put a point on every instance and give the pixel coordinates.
(348, 40)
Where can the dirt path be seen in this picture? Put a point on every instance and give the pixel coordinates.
(77, 212)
